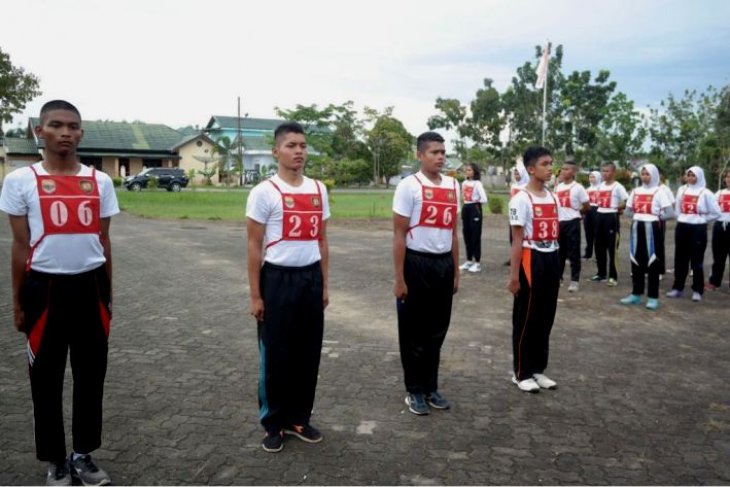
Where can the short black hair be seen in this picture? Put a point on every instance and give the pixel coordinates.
(570, 162)
(58, 105)
(608, 164)
(532, 154)
(426, 137)
(475, 168)
(287, 128)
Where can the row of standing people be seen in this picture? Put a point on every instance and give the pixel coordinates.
(61, 274)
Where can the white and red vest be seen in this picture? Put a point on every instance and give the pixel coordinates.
(69, 205)
(438, 208)
(302, 215)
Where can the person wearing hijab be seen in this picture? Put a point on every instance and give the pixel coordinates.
(695, 206)
(589, 219)
(520, 178)
(646, 203)
(720, 236)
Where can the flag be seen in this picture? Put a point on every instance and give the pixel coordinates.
(542, 67)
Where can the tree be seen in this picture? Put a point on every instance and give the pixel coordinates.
(16, 89)
(522, 105)
(583, 106)
(621, 133)
(225, 150)
(315, 123)
(389, 142)
(683, 132)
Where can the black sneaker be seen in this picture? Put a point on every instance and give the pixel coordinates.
(437, 401)
(306, 432)
(58, 473)
(598, 278)
(273, 441)
(84, 469)
(417, 404)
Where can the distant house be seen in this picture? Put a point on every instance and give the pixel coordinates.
(257, 137)
(117, 148)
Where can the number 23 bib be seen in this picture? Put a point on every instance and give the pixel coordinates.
(302, 215)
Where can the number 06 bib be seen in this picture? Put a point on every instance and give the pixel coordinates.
(302, 215)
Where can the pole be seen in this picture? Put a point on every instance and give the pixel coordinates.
(240, 152)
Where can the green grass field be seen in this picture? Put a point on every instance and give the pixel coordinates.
(230, 205)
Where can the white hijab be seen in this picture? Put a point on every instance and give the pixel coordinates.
(700, 174)
(524, 175)
(653, 172)
(597, 178)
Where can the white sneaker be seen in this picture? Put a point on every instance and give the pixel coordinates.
(527, 385)
(544, 381)
(465, 265)
(696, 297)
(475, 267)
(573, 288)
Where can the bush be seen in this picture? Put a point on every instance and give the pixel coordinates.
(623, 176)
(152, 183)
(117, 181)
(329, 184)
(496, 205)
(582, 178)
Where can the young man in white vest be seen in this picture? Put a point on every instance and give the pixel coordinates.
(60, 212)
(425, 259)
(612, 198)
(534, 277)
(574, 203)
(288, 261)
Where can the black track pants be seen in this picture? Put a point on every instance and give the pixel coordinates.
(62, 313)
(720, 251)
(690, 242)
(471, 218)
(423, 319)
(589, 226)
(641, 268)
(607, 242)
(569, 241)
(290, 344)
(533, 312)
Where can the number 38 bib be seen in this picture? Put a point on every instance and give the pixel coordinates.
(302, 215)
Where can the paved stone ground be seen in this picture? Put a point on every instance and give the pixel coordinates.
(643, 396)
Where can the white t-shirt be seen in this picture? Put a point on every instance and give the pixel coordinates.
(478, 194)
(725, 195)
(667, 192)
(407, 202)
(521, 215)
(659, 201)
(618, 194)
(57, 253)
(707, 207)
(578, 197)
(264, 205)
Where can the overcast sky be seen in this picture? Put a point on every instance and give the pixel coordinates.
(179, 62)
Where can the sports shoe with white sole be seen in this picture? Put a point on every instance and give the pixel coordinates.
(696, 297)
(58, 473)
(305, 432)
(84, 469)
(674, 293)
(544, 381)
(611, 282)
(573, 288)
(475, 267)
(465, 265)
(631, 299)
(527, 385)
(417, 404)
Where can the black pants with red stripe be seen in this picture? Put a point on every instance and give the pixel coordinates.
(607, 241)
(424, 317)
(570, 247)
(62, 313)
(533, 312)
(690, 241)
(720, 251)
(471, 219)
(290, 344)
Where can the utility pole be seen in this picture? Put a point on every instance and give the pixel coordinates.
(240, 147)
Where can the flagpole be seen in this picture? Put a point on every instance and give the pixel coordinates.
(544, 97)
